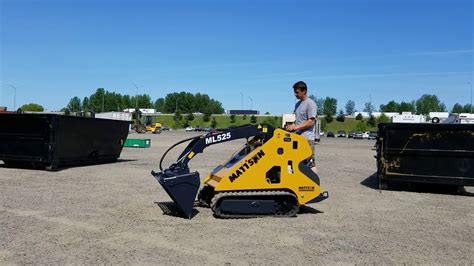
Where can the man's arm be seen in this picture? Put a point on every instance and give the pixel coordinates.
(306, 124)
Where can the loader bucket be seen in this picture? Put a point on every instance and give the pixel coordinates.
(182, 189)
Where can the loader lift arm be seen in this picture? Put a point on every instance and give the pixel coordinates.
(181, 184)
(199, 143)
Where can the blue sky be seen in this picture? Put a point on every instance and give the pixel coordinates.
(400, 50)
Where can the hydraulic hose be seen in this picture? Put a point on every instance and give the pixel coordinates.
(170, 148)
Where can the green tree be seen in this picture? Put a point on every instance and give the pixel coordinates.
(232, 119)
(329, 118)
(65, 111)
(143, 101)
(177, 119)
(186, 122)
(407, 107)
(32, 107)
(160, 105)
(244, 117)
(350, 107)
(74, 105)
(372, 122)
(188, 102)
(324, 124)
(369, 107)
(329, 106)
(97, 100)
(190, 117)
(457, 108)
(267, 113)
(359, 117)
(468, 109)
(102, 100)
(340, 117)
(85, 105)
(213, 122)
(391, 106)
(253, 119)
(320, 106)
(207, 116)
(429, 103)
(126, 102)
(171, 102)
(177, 116)
(216, 107)
(361, 126)
(274, 121)
(383, 118)
(112, 101)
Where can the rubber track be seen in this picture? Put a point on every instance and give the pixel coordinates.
(248, 194)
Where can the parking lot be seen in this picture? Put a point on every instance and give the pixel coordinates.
(109, 214)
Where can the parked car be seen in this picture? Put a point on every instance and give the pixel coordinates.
(210, 130)
(165, 128)
(373, 135)
(341, 134)
(189, 129)
(358, 135)
(351, 134)
(198, 129)
(365, 135)
(321, 133)
(330, 134)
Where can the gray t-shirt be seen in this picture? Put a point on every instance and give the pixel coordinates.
(305, 110)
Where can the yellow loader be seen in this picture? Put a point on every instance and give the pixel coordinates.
(154, 128)
(268, 176)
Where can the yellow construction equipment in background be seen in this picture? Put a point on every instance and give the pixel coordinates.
(154, 128)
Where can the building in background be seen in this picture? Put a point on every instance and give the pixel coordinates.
(143, 110)
(124, 116)
(363, 114)
(243, 112)
(408, 117)
(388, 114)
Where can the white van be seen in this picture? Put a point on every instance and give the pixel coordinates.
(463, 118)
(438, 117)
(466, 118)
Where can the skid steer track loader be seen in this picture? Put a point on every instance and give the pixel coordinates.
(268, 176)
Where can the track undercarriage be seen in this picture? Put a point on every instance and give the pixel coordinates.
(249, 204)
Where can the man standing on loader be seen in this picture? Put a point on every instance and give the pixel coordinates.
(305, 112)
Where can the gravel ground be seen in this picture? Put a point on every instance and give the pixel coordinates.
(109, 214)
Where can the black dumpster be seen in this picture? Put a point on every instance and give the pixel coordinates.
(53, 141)
(426, 153)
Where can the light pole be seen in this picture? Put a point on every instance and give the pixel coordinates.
(251, 103)
(14, 96)
(136, 95)
(370, 105)
(242, 96)
(470, 83)
(103, 101)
